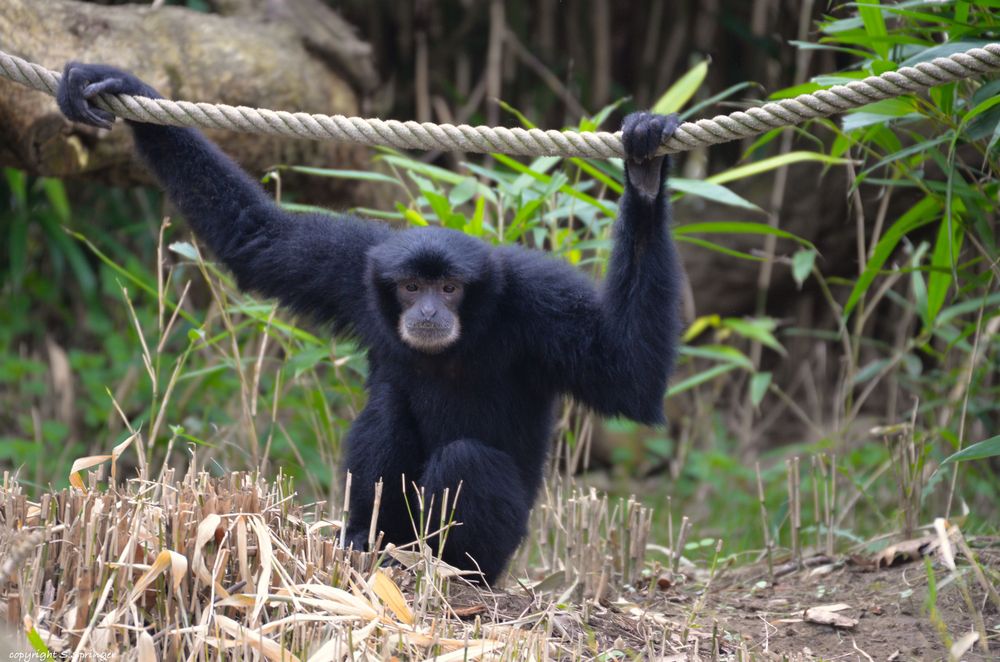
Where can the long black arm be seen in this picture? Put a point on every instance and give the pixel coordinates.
(312, 263)
(613, 349)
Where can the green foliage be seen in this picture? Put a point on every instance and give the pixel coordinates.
(190, 360)
(931, 268)
(69, 321)
(681, 92)
(935, 263)
(978, 451)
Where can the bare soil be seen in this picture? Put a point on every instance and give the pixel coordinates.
(889, 605)
(742, 614)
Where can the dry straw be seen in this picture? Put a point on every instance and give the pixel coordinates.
(206, 566)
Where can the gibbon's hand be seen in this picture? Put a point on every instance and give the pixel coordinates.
(82, 82)
(642, 135)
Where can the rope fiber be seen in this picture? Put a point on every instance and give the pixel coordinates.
(523, 142)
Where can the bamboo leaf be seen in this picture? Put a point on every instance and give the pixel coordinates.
(916, 216)
(359, 175)
(737, 227)
(802, 265)
(751, 169)
(946, 250)
(700, 378)
(681, 91)
(719, 248)
(701, 324)
(516, 165)
(759, 384)
(711, 191)
(977, 451)
(871, 16)
(720, 353)
(755, 329)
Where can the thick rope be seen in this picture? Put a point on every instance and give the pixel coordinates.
(525, 142)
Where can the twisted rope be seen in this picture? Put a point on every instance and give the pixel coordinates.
(524, 142)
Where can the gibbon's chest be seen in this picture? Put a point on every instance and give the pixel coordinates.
(495, 406)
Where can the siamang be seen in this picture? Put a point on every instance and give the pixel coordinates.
(469, 345)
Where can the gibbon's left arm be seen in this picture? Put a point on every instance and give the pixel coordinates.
(314, 264)
(613, 348)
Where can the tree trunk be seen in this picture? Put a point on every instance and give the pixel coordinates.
(240, 60)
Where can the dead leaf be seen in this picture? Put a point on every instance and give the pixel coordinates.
(206, 532)
(339, 601)
(470, 611)
(146, 649)
(440, 568)
(117, 451)
(963, 644)
(242, 549)
(319, 524)
(177, 563)
(240, 601)
(265, 552)
(551, 583)
(389, 593)
(827, 615)
(473, 650)
(947, 554)
(906, 551)
(837, 606)
(269, 648)
(822, 570)
(82, 463)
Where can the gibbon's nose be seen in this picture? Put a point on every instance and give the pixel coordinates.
(428, 311)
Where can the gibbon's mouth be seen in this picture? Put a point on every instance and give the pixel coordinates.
(428, 336)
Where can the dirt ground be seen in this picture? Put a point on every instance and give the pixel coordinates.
(742, 614)
(889, 605)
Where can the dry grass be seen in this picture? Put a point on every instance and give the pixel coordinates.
(211, 568)
(207, 568)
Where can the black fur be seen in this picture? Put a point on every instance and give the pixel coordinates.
(533, 328)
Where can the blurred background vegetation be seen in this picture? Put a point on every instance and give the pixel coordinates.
(843, 306)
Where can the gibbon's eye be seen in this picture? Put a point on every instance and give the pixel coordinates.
(412, 287)
(449, 288)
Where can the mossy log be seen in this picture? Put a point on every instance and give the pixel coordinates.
(252, 58)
